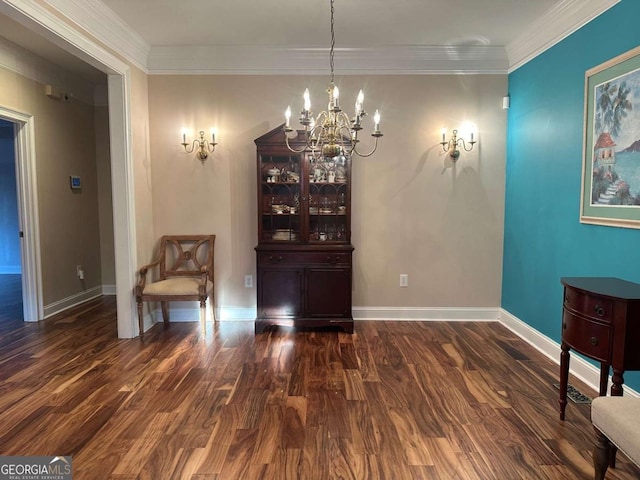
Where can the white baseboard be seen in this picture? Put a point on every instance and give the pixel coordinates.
(108, 289)
(431, 314)
(578, 366)
(72, 301)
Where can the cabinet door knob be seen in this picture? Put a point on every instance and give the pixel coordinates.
(594, 341)
(599, 310)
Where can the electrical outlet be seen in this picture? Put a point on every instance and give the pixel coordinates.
(248, 281)
(404, 280)
(80, 272)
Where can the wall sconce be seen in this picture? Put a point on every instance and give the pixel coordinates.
(454, 143)
(204, 146)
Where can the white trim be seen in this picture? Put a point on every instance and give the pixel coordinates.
(578, 366)
(76, 299)
(123, 190)
(26, 182)
(556, 24)
(423, 313)
(236, 314)
(266, 60)
(108, 289)
(103, 23)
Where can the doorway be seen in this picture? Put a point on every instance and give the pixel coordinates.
(10, 256)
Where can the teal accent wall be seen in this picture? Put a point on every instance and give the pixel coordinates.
(543, 237)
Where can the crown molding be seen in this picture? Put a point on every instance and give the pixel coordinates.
(407, 59)
(102, 23)
(555, 25)
(18, 60)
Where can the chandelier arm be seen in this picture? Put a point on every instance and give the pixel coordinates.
(286, 138)
(375, 146)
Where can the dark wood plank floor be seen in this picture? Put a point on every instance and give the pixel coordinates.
(396, 400)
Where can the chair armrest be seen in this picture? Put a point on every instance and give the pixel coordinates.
(143, 275)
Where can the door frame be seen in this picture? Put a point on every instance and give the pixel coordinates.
(26, 183)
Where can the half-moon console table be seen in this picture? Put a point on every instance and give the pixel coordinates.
(600, 320)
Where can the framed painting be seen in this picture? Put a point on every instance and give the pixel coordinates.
(611, 149)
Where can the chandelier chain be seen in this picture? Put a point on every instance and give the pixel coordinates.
(333, 42)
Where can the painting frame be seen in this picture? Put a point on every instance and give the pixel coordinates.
(610, 190)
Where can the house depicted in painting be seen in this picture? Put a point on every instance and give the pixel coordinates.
(604, 153)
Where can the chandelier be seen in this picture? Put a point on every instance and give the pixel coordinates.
(332, 132)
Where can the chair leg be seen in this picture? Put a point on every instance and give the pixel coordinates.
(165, 312)
(203, 315)
(601, 455)
(140, 321)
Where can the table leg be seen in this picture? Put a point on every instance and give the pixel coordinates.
(616, 391)
(616, 383)
(564, 377)
(604, 379)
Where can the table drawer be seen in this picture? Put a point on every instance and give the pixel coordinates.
(303, 258)
(589, 305)
(586, 336)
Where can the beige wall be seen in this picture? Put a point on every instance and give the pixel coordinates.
(414, 211)
(65, 145)
(105, 206)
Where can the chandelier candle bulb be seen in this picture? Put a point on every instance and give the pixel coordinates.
(213, 136)
(336, 94)
(287, 116)
(307, 100)
(376, 121)
(359, 103)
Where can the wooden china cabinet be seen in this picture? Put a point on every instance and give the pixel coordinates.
(304, 237)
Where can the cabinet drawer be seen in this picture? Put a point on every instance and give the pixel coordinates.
(303, 258)
(589, 305)
(586, 336)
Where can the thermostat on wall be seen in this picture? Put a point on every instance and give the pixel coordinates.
(76, 182)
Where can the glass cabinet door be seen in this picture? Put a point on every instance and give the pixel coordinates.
(329, 199)
(280, 177)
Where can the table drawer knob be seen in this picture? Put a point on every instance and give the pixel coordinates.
(566, 298)
(599, 310)
(594, 341)
(564, 325)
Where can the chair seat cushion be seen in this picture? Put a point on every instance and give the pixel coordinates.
(176, 286)
(618, 418)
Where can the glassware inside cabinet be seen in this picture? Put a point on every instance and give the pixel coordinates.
(280, 202)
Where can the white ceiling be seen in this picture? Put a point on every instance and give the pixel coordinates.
(276, 36)
(305, 23)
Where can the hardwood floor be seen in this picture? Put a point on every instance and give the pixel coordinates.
(396, 400)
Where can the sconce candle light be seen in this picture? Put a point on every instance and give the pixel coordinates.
(204, 147)
(454, 143)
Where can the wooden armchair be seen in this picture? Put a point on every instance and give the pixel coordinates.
(185, 274)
